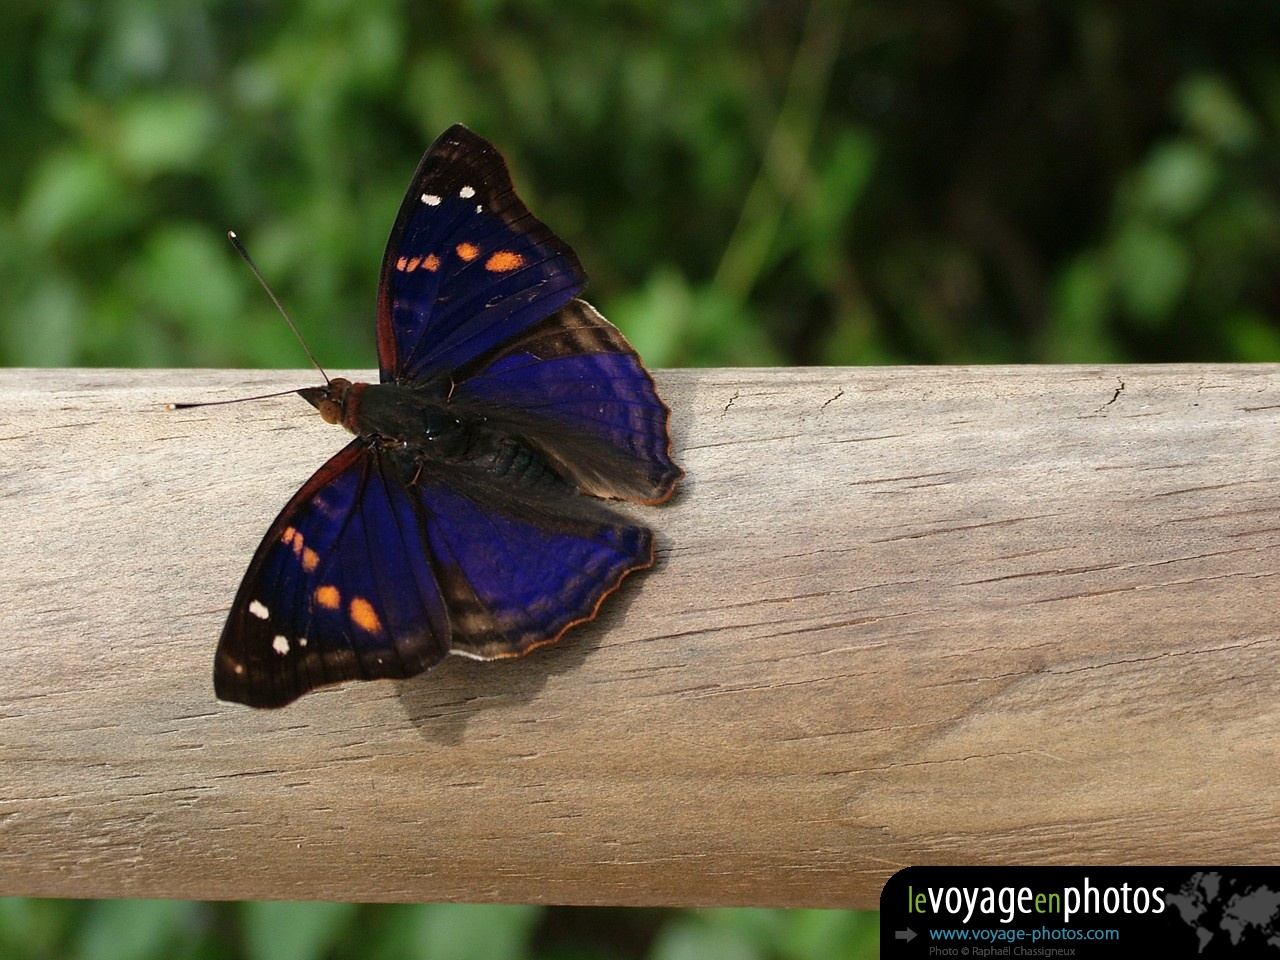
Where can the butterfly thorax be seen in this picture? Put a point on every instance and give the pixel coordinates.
(418, 425)
(388, 414)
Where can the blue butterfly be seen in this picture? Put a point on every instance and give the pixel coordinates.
(466, 515)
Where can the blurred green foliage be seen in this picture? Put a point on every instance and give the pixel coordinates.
(819, 181)
(174, 930)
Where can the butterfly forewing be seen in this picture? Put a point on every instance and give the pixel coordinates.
(340, 588)
(467, 265)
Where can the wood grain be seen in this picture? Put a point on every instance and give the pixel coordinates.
(899, 616)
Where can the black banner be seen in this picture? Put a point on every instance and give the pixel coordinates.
(981, 912)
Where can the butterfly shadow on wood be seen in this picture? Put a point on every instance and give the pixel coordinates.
(443, 703)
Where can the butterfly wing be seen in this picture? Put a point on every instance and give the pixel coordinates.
(517, 566)
(340, 588)
(467, 265)
(380, 565)
(575, 390)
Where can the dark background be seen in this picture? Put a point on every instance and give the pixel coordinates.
(817, 182)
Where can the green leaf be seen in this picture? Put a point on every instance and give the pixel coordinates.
(1253, 337)
(831, 935)
(460, 931)
(35, 928)
(164, 133)
(1078, 326)
(73, 192)
(1213, 110)
(132, 929)
(1151, 271)
(843, 177)
(655, 317)
(1177, 179)
(287, 930)
(693, 938)
(186, 276)
(44, 327)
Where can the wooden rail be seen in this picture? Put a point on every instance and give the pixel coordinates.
(983, 615)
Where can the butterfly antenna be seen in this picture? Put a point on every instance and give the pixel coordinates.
(218, 403)
(244, 255)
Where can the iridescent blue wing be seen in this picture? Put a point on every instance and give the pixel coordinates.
(518, 566)
(467, 265)
(340, 588)
(380, 565)
(574, 389)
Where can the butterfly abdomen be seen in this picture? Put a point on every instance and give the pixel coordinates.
(512, 461)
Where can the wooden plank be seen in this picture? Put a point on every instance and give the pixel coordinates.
(899, 616)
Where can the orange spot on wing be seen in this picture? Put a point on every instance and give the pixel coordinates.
(328, 597)
(363, 615)
(503, 261)
(293, 538)
(467, 251)
(306, 556)
(429, 262)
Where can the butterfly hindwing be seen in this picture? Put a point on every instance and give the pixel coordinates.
(467, 265)
(518, 567)
(574, 388)
(340, 588)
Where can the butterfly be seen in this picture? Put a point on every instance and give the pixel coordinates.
(468, 515)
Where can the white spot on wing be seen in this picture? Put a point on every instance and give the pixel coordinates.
(259, 610)
(431, 200)
(466, 193)
(280, 644)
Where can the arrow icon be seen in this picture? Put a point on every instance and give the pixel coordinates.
(907, 934)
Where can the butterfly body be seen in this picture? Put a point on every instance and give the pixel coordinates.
(415, 420)
(417, 427)
(468, 514)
